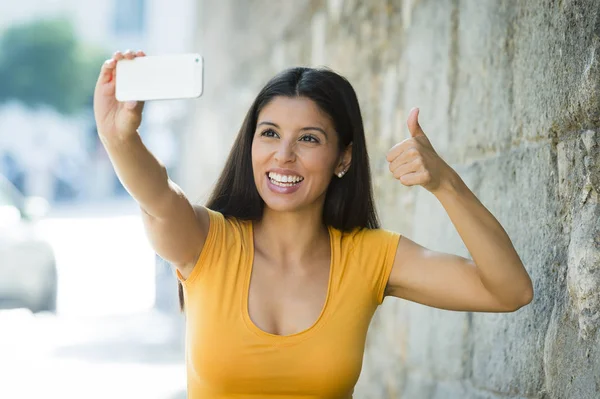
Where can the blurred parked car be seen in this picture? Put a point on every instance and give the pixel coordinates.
(28, 275)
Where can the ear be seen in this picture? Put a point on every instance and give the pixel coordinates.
(345, 160)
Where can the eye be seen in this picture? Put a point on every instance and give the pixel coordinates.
(268, 132)
(310, 136)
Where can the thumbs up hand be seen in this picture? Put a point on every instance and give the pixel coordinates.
(414, 161)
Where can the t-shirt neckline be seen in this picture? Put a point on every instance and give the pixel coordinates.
(301, 335)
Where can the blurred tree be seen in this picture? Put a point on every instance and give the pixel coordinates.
(43, 63)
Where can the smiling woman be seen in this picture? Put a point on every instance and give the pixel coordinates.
(283, 268)
(293, 149)
(307, 123)
(300, 240)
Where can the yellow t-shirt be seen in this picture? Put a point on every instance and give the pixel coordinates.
(227, 356)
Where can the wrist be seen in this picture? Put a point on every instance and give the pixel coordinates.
(117, 139)
(451, 184)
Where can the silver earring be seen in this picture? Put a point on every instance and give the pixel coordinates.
(341, 174)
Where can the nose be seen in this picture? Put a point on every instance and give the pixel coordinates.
(285, 152)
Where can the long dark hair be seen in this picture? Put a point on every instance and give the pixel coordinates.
(348, 201)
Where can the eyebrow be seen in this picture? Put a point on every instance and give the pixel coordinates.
(304, 128)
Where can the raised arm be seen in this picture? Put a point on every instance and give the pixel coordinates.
(176, 229)
(494, 281)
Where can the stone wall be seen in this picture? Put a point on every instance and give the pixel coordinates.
(508, 92)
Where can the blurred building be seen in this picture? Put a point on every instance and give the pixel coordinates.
(61, 158)
(156, 26)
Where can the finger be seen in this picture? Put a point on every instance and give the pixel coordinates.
(118, 56)
(413, 123)
(136, 106)
(129, 55)
(106, 72)
(407, 156)
(412, 179)
(406, 168)
(140, 53)
(397, 149)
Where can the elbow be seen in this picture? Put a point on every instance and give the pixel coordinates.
(525, 300)
(522, 300)
(527, 292)
(528, 296)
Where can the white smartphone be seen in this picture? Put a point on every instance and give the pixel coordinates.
(160, 77)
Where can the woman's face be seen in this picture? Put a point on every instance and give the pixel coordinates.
(294, 153)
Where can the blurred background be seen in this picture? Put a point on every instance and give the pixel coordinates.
(509, 96)
(88, 309)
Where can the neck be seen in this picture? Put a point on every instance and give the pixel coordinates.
(291, 238)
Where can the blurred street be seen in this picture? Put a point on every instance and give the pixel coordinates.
(106, 340)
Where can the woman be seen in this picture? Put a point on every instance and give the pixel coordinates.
(283, 268)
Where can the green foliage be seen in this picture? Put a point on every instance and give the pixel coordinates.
(43, 63)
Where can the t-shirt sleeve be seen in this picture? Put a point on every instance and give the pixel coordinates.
(375, 250)
(215, 237)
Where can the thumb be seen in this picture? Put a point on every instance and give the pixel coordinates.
(413, 123)
(136, 106)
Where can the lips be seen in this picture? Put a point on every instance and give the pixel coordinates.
(278, 178)
(283, 188)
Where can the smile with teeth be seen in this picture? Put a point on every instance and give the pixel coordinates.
(284, 180)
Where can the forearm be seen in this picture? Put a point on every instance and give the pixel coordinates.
(499, 265)
(140, 172)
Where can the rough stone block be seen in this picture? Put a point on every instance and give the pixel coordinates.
(427, 68)
(556, 69)
(520, 189)
(481, 77)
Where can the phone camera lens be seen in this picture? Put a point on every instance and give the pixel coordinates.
(197, 60)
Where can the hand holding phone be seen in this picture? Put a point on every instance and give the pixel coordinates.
(114, 119)
(128, 79)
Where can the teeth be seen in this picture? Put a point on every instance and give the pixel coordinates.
(284, 178)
